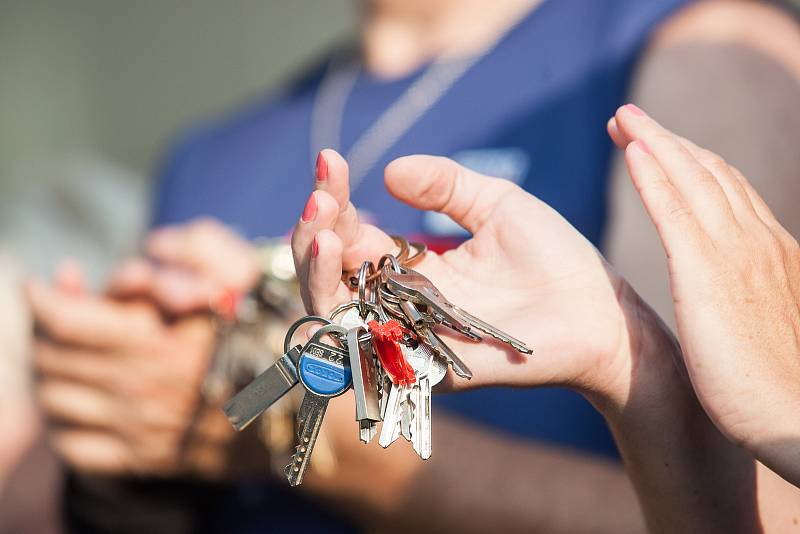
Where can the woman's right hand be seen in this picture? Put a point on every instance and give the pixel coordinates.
(735, 280)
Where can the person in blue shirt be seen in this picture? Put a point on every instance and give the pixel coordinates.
(497, 86)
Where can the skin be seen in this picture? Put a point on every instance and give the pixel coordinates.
(407, 483)
(385, 32)
(107, 369)
(544, 283)
(735, 281)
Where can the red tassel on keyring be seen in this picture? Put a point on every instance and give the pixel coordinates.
(385, 340)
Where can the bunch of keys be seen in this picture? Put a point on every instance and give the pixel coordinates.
(384, 345)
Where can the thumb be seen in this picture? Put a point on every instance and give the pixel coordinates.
(440, 184)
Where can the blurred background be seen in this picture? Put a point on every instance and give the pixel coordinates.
(93, 90)
(91, 94)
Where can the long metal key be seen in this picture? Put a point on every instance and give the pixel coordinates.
(324, 370)
(392, 419)
(415, 287)
(365, 383)
(441, 348)
(421, 429)
(264, 390)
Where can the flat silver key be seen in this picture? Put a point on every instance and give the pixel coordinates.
(386, 388)
(422, 427)
(392, 419)
(324, 371)
(365, 383)
(312, 412)
(413, 286)
(408, 413)
(496, 333)
(441, 348)
(264, 390)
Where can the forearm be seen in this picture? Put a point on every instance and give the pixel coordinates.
(688, 477)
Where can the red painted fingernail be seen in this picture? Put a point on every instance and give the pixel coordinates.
(636, 110)
(227, 304)
(314, 248)
(310, 211)
(322, 168)
(641, 145)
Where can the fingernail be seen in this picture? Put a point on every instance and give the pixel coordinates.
(314, 248)
(641, 145)
(636, 110)
(322, 168)
(227, 303)
(310, 211)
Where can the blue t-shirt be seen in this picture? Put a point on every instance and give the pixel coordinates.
(532, 110)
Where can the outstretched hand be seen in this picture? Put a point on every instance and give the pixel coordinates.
(525, 270)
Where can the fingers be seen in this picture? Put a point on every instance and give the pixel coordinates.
(67, 362)
(698, 186)
(176, 291)
(209, 249)
(91, 451)
(759, 206)
(616, 136)
(86, 320)
(133, 278)
(75, 403)
(321, 212)
(69, 277)
(325, 272)
(440, 184)
(360, 242)
(668, 210)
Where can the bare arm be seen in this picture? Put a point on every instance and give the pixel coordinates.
(735, 91)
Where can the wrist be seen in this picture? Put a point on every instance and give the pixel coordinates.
(645, 375)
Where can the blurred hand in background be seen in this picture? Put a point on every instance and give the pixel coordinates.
(120, 374)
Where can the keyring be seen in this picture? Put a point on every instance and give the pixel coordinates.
(366, 272)
(419, 251)
(351, 279)
(287, 341)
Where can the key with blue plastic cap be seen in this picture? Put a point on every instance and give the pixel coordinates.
(324, 371)
(270, 385)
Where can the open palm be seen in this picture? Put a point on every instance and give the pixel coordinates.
(525, 270)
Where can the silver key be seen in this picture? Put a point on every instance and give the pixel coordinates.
(325, 373)
(264, 390)
(392, 419)
(421, 429)
(365, 383)
(415, 287)
(441, 348)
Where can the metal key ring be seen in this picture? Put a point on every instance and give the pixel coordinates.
(367, 271)
(371, 307)
(394, 263)
(419, 252)
(287, 341)
(351, 279)
(340, 309)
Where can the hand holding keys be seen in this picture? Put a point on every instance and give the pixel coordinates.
(371, 356)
